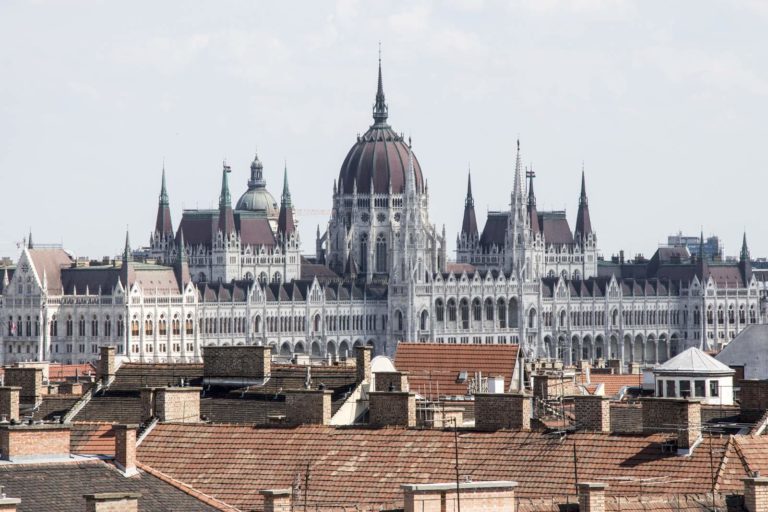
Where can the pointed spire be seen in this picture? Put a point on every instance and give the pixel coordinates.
(702, 256)
(285, 221)
(127, 254)
(163, 224)
(30, 245)
(744, 255)
(182, 258)
(5, 278)
(533, 214)
(380, 108)
(583, 221)
(469, 223)
(226, 217)
(517, 191)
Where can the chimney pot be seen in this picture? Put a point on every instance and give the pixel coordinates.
(496, 411)
(277, 500)
(392, 408)
(591, 496)
(112, 502)
(125, 448)
(756, 494)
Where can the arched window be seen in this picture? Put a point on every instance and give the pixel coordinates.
(451, 310)
(742, 315)
(439, 310)
(720, 316)
(134, 327)
(752, 314)
(399, 320)
(502, 309)
(120, 326)
(464, 313)
(532, 318)
(477, 310)
(364, 252)
(162, 326)
(176, 325)
(54, 326)
(277, 277)
(316, 324)
(149, 328)
(424, 320)
(263, 278)
(731, 315)
(615, 318)
(513, 313)
(563, 319)
(107, 327)
(489, 309)
(381, 253)
(189, 325)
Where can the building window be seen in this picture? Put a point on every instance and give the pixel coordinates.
(671, 389)
(94, 326)
(685, 389)
(451, 310)
(189, 325)
(176, 325)
(381, 254)
(439, 310)
(714, 388)
(148, 327)
(699, 388)
(364, 253)
(660, 388)
(162, 326)
(81, 326)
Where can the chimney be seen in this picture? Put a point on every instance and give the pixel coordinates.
(615, 365)
(8, 504)
(277, 500)
(363, 364)
(498, 496)
(591, 496)
(9, 402)
(25, 443)
(71, 388)
(592, 413)
(391, 381)
(112, 502)
(634, 368)
(147, 400)
(497, 411)
(106, 369)
(308, 406)
(30, 380)
(756, 494)
(238, 365)
(674, 415)
(392, 408)
(178, 405)
(125, 448)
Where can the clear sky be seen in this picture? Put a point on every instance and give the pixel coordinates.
(664, 102)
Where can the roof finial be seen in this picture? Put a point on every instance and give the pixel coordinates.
(380, 109)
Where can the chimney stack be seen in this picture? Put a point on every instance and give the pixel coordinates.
(756, 494)
(674, 415)
(591, 496)
(308, 406)
(391, 381)
(497, 411)
(112, 502)
(392, 408)
(493, 496)
(9, 402)
(21, 443)
(753, 397)
(593, 412)
(107, 368)
(30, 380)
(125, 448)
(363, 363)
(277, 500)
(177, 405)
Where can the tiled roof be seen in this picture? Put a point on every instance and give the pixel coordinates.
(50, 262)
(92, 439)
(433, 368)
(113, 407)
(62, 372)
(133, 376)
(51, 406)
(614, 383)
(359, 466)
(61, 486)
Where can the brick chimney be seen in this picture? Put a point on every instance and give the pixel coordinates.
(363, 363)
(20, 443)
(177, 404)
(125, 448)
(391, 381)
(496, 411)
(107, 366)
(392, 408)
(591, 496)
(147, 400)
(498, 496)
(756, 494)
(239, 365)
(112, 502)
(677, 416)
(9, 402)
(277, 500)
(634, 368)
(593, 413)
(30, 380)
(615, 365)
(9, 504)
(308, 406)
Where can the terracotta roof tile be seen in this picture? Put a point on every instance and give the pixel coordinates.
(433, 368)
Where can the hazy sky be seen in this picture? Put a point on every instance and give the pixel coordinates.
(664, 102)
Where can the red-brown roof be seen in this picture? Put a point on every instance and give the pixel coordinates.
(433, 368)
(613, 383)
(63, 372)
(92, 439)
(363, 466)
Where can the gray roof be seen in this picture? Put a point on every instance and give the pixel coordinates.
(693, 360)
(750, 350)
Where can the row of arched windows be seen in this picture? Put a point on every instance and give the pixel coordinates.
(504, 313)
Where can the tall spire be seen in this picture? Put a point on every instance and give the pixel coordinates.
(30, 245)
(744, 254)
(745, 262)
(163, 224)
(127, 254)
(533, 214)
(469, 223)
(583, 221)
(380, 108)
(226, 217)
(285, 221)
(517, 191)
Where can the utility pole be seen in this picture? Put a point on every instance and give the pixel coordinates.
(306, 487)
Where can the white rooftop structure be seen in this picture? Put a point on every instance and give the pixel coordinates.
(693, 360)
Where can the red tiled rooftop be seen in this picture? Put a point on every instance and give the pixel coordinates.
(612, 384)
(362, 466)
(433, 368)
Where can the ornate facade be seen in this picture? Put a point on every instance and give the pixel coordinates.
(236, 275)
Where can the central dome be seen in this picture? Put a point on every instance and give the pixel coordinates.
(257, 198)
(379, 157)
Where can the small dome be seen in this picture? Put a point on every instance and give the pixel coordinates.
(257, 198)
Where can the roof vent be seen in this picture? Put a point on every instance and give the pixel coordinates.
(461, 377)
